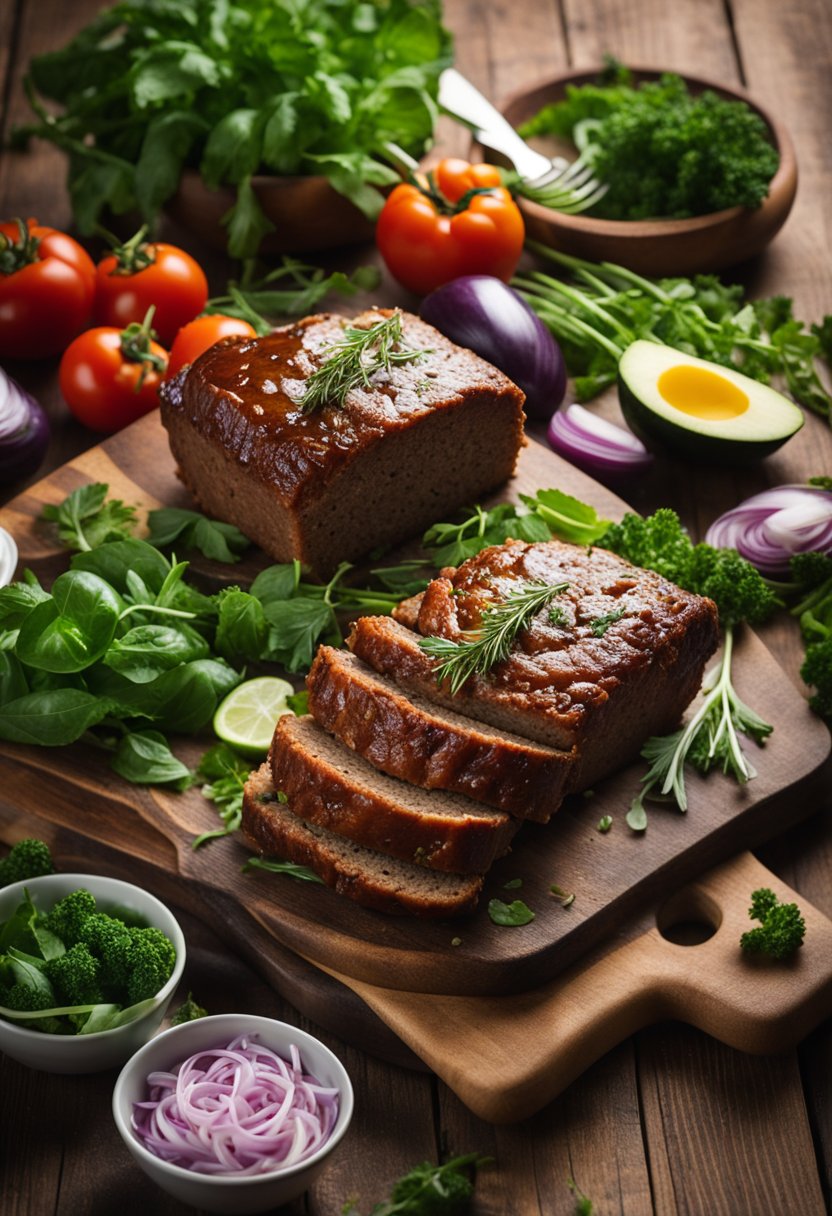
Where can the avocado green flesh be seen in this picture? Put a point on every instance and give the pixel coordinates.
(768, 421)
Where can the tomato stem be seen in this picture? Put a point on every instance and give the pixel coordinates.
(15, 254)
(131, 256)
(135, 347)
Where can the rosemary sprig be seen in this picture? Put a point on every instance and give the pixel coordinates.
(492, 642)
(351, 362)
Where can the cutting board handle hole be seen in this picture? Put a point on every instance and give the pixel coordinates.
(689, 917)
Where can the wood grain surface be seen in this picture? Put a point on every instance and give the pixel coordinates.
(671, 1121)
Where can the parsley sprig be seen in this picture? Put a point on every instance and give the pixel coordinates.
(351, 362)
(499, 627)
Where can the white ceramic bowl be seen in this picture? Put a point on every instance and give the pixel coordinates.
(225, 1194)
(108, 1048)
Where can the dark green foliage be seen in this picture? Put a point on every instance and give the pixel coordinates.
(248, 86)
(75, 976)
(781, 930)
(663, 152)
(27, 859)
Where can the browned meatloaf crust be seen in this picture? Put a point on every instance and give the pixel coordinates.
(330, 785)
(562, 684)
(409, 738)
(425, 438)
(370, 878)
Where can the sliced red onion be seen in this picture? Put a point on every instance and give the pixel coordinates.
(239, 1110)
(24, 431)
(769, 528)
(595, 445)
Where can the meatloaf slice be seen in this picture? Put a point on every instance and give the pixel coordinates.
(364, 875)
(326, 486)
(409, 738)
(620, 662)
(330, 785)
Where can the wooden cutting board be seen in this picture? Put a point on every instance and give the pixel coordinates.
(472, 963)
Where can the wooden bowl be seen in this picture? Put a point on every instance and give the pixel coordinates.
(306, 212)
(660, 247)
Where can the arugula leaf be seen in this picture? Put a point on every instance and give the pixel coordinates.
(221, 542)
(144, 758)
(85, 520)
(225, 774)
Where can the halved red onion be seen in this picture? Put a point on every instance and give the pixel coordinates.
(595, 445)
(769, 528)
(24, 431)
(239, 1110)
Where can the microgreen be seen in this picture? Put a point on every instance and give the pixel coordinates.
(515, 913)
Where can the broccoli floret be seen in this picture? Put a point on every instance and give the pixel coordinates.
(817, 671)
(811, 569)
(27, 859)
(75, 976)
(154, 956)
(109, 940)
(67, 918)
(27, 1000)
(188, 1011)
(781, 930)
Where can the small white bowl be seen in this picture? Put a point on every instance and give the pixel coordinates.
(84, 1053)
(224, 1193)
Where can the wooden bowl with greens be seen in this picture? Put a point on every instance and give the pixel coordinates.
(620, 228)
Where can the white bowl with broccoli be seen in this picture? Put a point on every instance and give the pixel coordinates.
(88, 966)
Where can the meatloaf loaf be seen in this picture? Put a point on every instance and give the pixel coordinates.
(619, 660)
(327, 485)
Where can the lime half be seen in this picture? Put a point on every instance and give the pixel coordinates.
(245, 718)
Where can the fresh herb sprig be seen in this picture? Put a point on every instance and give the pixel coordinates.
(711, 737)
(351, 362)
(499, 627)
(224, 774)
(441, 1190)
(290, 868)
(293, 289)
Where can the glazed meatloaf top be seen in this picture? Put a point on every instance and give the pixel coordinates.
(244, 394)
(612, 622)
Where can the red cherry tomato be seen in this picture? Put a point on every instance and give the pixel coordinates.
(110, 377)
(141, 273)
(197, 336)
(437, 230)
(47, 283)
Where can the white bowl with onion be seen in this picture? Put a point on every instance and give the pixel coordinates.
(233, 1113)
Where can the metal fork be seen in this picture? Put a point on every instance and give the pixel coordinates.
(547, 179)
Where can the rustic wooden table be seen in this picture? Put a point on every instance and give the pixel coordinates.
(671, 1121)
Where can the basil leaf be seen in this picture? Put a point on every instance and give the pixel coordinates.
(12, 678)
(241, 625)
(145, 758)
(74, 627)
(147, 650)
(52, 718)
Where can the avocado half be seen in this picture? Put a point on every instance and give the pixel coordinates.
(700, 409)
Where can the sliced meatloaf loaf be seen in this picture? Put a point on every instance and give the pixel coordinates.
(330, 785)
(620, 659)
(416, 741)
(327, 485)
(364, 875)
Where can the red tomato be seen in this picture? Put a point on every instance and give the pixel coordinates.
(197, 336)
(430, 233)
(140, 274)
(47, 283)
(105, 381)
